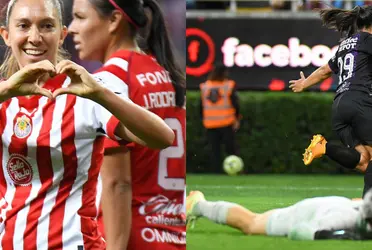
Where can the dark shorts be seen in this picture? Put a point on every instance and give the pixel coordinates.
(352, 118)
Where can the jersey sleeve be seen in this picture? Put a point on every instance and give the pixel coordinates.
(111, 76)
(332, 63)
(107, 122)
(366, 45)
(109, 143)
(114, 76)
(113, 83)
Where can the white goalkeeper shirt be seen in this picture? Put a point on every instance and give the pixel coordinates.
(303, 219)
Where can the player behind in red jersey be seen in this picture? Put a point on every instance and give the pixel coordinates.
(53, 117)
(106, 31)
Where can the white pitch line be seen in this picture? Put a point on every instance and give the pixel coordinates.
(274, 187)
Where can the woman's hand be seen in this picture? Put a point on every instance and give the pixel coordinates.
(26, 81)
(82, 83)
(298, 85)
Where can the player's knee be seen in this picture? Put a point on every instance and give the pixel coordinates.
(247, 225)
(246, 229)
(365, 158)
(117, 185)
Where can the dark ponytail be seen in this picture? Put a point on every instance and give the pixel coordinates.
(347, 22)
(156, 41)
(158, 44)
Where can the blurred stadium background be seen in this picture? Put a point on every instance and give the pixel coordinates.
(264, 44)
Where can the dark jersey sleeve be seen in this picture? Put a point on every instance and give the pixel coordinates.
(332, 63)
(366, 44)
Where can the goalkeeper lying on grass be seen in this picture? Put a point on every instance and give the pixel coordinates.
(330, 217)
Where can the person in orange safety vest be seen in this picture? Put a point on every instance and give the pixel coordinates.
(219, 109)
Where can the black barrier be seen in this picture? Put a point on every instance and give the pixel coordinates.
(262, 54)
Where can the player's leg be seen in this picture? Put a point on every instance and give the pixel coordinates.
(197, 206)
(247, 221)
(365, 158)
(356, 157)
(349, 122)
(363, 129)
(352, 155)
(229, 140)
(214, 141)
(367, 178)
(226, 213)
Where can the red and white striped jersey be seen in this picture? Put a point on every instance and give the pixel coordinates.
(51, 153)
(158, 176)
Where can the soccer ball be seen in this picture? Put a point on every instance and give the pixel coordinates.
(233, 164)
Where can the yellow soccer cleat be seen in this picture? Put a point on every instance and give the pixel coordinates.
(316, 149)
(191, 200)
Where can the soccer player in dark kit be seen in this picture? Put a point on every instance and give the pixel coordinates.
(352, 106)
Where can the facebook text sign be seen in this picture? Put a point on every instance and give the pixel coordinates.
(262, 54)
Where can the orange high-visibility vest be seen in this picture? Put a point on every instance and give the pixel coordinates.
(217, 112)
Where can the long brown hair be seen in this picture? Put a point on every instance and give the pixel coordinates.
(10, 64)
(347, 22)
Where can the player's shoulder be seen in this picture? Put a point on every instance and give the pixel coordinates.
(340, 200)
(330, 199)
(335, 197)
(123, 61)
(115, 68)
(146, 62)
(363, 35)
(131, 57)
(364, 38)
(118, 63)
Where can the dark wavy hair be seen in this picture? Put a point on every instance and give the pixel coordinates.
(347, 22)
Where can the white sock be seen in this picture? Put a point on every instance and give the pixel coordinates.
(214, 210)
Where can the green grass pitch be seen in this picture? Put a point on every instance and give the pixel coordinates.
(260, 193)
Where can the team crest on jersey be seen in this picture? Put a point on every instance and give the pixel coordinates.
(23, 127)
(19, 170)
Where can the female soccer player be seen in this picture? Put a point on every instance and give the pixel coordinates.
(310, 219)
(106, 31)
(352, 106)
(51, 145)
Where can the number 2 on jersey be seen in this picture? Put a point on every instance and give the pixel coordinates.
(346, 67)
(177, 184)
